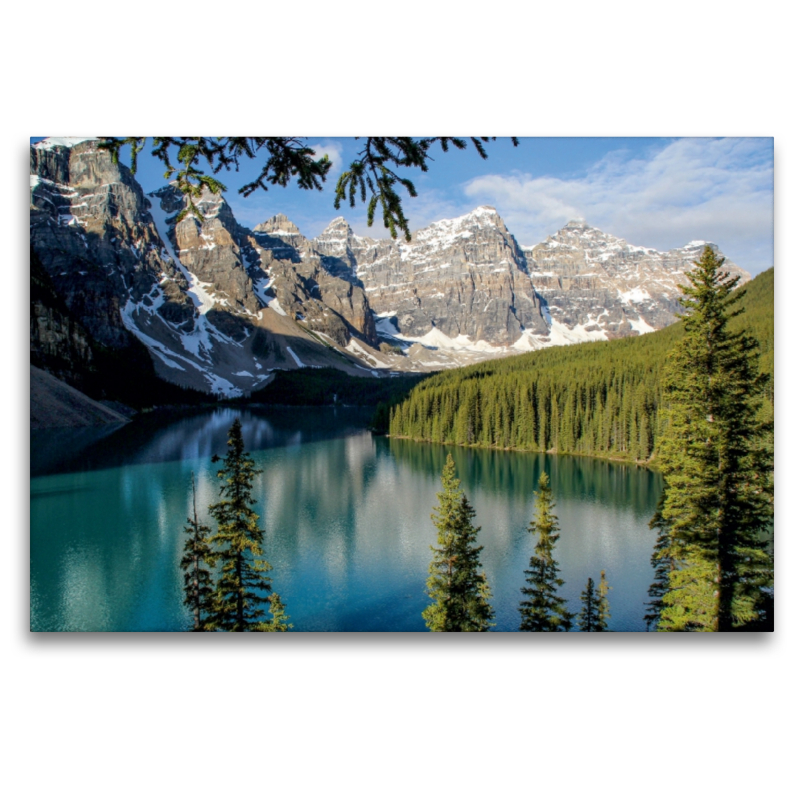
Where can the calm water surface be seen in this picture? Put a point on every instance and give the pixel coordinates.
(347, 518)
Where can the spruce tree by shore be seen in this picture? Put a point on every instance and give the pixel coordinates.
(542, 609)
(662, 563)
(717, 504)
(456, 585)
(197, 556)
(588, 618)
(595, 613)
(603, 607)
(243, 587)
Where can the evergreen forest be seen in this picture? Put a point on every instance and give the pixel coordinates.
(707, 415)
(601, 399)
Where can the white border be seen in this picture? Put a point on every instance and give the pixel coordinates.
(364, 716)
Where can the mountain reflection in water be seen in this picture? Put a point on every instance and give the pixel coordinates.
(347, 519)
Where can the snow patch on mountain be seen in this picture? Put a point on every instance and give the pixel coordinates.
(203, 300)
(62, 141)
(561, 334)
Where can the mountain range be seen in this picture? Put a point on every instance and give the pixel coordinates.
(219, 307)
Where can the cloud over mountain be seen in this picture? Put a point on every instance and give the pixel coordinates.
(717, 189)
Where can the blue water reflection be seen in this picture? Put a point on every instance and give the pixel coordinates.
(347, 519)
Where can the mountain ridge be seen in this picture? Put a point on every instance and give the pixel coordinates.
(220, 306)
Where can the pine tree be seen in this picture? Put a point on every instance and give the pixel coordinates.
(595, 613)
(456, 584)
(662, 564)
(197, 555)
(603, 607)
(243, 586)
(280, 620)
(587, 619)
(543, 609)
(717, 497)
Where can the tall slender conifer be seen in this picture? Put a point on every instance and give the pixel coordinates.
(197, 556)
(456, 584)
(542, 609)
(243, 587)
(717, 505)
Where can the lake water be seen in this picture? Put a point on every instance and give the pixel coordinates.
(347, 519)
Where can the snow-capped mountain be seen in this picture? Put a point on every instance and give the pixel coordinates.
(599, 286)
(219, 306)
(463, 277)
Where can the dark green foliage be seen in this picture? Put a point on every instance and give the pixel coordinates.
(197, 556)
(128, 375)
(456, 584)
(288, 158)
(280, 620)
(594, 614)
(375, 170)
(242, 587)
(603, 608)
(599, 398)
(587, 619)
(663, 564)
(542, 609)
(324, 387)
(319, 387)
(717, 465)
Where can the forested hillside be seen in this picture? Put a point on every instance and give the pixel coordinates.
(599, 398)
(327, 387)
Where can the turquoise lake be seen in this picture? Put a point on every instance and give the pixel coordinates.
(347, 519)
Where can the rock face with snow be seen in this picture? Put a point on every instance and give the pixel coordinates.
(464, 277)
(308, 289)
(89, 225)
(211, 248)
(219, 306)
(202, 295)
(282, 238)
(599, 286)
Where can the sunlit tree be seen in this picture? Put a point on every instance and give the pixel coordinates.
(243, 586)
(717, 503)
(542, 609)
(456, 584)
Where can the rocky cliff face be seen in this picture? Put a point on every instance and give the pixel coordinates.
(307, 288)
(203, 295)
(219, 306)
(212, 249)
(89, 226)
(58, 343)
(462, 279)
(598, 286)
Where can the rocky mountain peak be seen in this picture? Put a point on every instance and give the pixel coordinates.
(581, 229)
(67, 142)
(277, 225)
(219, 305)
(484, 211)
(336, 228)
(482, 222)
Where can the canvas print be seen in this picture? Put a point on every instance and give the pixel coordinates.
(401, 384)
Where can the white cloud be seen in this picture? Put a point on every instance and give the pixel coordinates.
(720, 190)
(333, 150)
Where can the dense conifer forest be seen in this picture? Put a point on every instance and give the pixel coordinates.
(328, 387)
(599, 398)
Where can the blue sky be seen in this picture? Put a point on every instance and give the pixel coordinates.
(655, 192)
